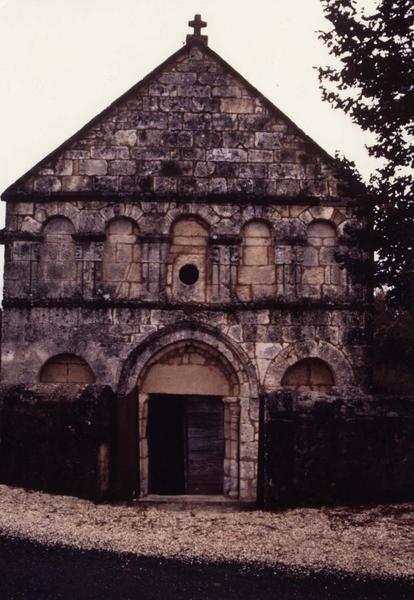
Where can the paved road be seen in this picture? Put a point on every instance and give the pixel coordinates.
(32, 572)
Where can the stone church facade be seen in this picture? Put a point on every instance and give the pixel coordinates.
(181, 251)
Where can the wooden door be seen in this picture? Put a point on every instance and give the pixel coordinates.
(205, 445)
(126, 446)
(186, 444)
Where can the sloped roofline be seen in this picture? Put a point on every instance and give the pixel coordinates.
(136, 87)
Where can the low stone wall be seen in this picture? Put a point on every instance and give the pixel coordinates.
(330, 450)
(56, 438)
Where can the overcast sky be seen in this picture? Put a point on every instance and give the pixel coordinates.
(63, 61)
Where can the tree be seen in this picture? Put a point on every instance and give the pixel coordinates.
(374, 84)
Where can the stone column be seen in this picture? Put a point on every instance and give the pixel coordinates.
(89, 256)
(224, 260)
(143, 444)
(22, 250)
(154, 255)
(232, 445)
(297, 267)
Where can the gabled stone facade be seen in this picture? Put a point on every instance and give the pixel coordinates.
(185, 242)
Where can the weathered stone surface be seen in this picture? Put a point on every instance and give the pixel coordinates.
(192, 169)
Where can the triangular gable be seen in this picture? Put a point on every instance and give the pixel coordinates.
(193, 126)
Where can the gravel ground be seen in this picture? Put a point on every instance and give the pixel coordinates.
(376, 541)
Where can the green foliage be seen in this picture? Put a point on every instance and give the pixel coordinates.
(374, 85)
(393, 349)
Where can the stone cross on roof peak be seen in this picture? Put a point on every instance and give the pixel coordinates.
(197, 24)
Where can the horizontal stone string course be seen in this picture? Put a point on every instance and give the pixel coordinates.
(188, 250)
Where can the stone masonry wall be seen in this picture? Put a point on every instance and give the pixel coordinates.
(190, 209)
(193, 127)
(271, 339)
(94, 261)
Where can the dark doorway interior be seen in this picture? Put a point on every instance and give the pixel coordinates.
(186, 444)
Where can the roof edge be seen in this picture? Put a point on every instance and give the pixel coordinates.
(273, 109)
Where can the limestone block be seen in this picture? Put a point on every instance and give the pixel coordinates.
(310, 291)
(165, 185)
(255, 255)
(204, 169)
(328, 333)
(158, 89)
(286, 171)
(178, 78)
(110, 152)
(321, 229)
(122, 167)
(210, 105)
(208, 139)
(93, 167)
(224, 122)
(249, 450)
(267, 350)
(76, 154)
(177, 139)
(229, 91)
(47, 184)
(176, 105)
(189, 228)
(247, 471)
(134, 273)
(197, 121)
(108, 183)
(263, 291)
(315, 187)
(121, 227)
(244, 293)
(63, 167)
(226, 154)
(123, 253)
(259, 275)
(267, 140)
(258, 171)
(256, 229)
(217, 185)
(313, 276)
(237, 105)
(76, 183)
(253, 122)
(264, 156)
(322, 212)
(238, 139)
(327, 256)
(336, 275)
(194, 91)
(149, 121)
(31, 225)
(311, 257)
(284, 187)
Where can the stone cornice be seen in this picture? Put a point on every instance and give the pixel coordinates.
(228, 198)
(19, 236)
(89, 236)
(190, 307)
(224, 240)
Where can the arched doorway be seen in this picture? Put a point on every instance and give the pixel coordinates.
(189, 359)
(189, 422)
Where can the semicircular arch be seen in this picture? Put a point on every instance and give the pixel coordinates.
(207, 341)
(337, 362)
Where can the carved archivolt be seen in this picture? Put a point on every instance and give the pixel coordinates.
(240, 372)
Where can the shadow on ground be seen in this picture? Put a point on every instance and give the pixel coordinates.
(29, 571)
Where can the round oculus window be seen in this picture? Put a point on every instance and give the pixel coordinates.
(188, 274)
